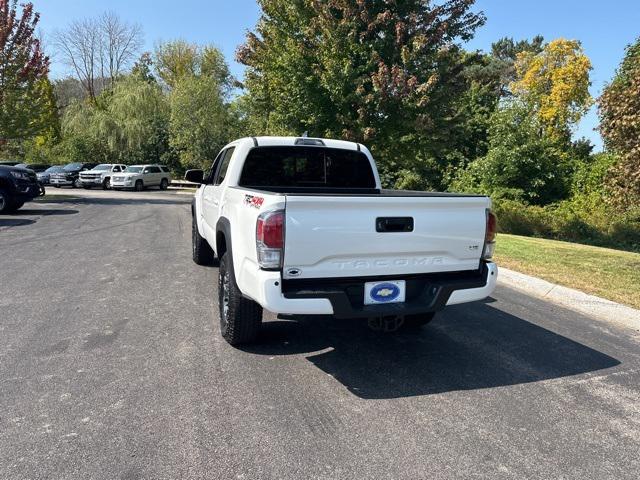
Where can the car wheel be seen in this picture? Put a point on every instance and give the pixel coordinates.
(106, 185)
(164, 184)
(139, 186)
(416, 322)
(76, 183)
(201, 250)
(43, 190)
(57, 186)
(240, 318)
(87, 187)
(5, 201)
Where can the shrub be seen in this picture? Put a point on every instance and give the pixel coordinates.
(574, 220)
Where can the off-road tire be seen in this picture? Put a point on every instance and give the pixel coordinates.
(241, 321)
(201, 250)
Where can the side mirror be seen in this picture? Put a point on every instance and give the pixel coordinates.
(194, 176)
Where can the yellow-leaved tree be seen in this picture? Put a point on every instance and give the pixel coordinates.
(555, 83)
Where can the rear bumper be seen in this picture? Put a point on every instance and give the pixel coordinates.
(344, 298)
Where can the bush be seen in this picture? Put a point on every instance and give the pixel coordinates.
(574, 220)
(521, 164)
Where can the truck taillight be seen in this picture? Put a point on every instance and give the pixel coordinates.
(270, 239)
(490, 235)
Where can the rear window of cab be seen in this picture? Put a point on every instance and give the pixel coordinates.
(313, 167)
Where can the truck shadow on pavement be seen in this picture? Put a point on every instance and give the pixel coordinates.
(464, 348)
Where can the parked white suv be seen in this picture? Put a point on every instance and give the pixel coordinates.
(139, 177)
(100, 175)
(301, 226)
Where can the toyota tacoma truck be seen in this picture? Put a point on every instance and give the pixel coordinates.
(301, 226)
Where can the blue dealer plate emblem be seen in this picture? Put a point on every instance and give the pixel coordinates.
(385, 292)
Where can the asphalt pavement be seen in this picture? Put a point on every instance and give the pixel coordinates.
(112, 367)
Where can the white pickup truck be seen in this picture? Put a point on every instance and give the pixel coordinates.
(301, 226)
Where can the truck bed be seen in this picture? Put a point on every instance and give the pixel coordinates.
(354, 192)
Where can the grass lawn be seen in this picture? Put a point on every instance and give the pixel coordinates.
(611, 274)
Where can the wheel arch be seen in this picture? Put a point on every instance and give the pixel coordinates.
(6, 184)
(223, 237)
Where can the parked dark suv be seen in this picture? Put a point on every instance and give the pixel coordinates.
(71, 175)
(17, 186)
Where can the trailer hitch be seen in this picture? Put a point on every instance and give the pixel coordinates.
(386, 324)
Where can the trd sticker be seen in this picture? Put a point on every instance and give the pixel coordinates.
(255, 202)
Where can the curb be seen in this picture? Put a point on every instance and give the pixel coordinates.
(576, 300)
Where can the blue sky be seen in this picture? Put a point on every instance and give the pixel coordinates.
(603, 27)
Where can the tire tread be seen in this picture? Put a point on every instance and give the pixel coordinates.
(245, 316)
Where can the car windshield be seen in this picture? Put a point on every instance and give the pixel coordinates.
(134, 169)
(73, 167)
(56, 168)
(102, 167)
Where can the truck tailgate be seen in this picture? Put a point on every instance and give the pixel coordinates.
(356, 236)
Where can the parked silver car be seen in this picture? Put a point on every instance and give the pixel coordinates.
(100, 175)
(139, 177)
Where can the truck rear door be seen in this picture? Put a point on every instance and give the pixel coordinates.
(382, 235)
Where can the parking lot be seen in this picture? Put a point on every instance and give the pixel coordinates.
(112, 367)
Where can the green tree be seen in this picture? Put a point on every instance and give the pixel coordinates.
(619, 108)
(177, 60)
(521, 164)
(130, 123)
(202, 120)
(23, 69)
(385, 73)
(142, 69)
(199, 120)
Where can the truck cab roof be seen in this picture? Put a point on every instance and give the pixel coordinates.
(301, 141)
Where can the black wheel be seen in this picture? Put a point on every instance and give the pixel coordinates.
(164, 184)
(57, 186)
(106, 185)
(139, 186)
(86, 187)
(201, 250)
(415, 322)
(240, 318)
(5, 201)
(76, 183)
